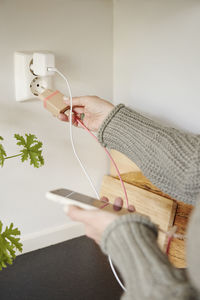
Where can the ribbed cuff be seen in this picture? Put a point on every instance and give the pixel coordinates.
(128, 219)
(106, 122)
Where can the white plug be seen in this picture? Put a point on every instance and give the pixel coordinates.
(42, 62)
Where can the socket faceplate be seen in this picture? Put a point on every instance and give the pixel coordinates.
(24, 77)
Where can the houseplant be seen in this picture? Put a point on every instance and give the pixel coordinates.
(31, 149)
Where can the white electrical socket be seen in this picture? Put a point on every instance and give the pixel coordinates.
(26, 82)
(39, 84)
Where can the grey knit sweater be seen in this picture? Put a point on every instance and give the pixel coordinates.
(171, 160)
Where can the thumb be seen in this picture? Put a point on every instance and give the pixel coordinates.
(77, 214)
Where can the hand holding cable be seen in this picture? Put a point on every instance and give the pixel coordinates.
(95, 111)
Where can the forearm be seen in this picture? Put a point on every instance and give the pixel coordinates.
(168, 157)
(131, 241)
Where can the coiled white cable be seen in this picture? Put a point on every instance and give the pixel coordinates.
(80, 162)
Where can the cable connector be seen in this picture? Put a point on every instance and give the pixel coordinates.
(43, 64)
(53, 102)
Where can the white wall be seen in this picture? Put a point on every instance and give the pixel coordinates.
(157, 59)
(80, 34)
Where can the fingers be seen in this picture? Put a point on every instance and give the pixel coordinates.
(118, 204)
(104, 199)
(65, 118)
(131, 208)
(78, 109)
(84, 216)
(77, 101)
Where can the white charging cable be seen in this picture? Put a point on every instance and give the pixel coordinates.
(71, 134)
(80, 162)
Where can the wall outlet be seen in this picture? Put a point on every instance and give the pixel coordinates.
(27, 84)
(39, 84)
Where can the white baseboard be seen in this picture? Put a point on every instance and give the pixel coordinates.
(51, 236)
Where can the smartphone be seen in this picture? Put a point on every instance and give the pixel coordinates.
(67, 197)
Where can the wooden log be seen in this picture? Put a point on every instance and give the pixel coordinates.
(161, 210)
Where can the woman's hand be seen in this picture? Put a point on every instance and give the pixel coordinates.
(95, 111)
(96, 221)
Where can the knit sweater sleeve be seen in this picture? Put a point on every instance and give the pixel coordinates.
(168, 157)
(147, 274)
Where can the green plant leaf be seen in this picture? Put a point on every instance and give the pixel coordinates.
(32, 149)
(2, 153)
(9, 244)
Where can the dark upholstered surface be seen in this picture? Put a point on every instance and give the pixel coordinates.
(74, 270)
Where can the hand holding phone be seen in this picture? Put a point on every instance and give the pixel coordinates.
(67, 197)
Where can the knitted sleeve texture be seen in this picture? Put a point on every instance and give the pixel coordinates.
(169, 158)
(131, 242)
